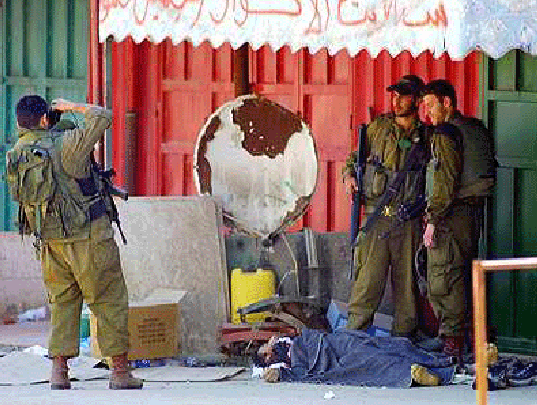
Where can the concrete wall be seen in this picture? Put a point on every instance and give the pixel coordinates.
(327, 281)
(172, 243)
(176, 242)
(21, 284)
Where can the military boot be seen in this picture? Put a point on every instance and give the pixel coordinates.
(59, 376)
(121, 377)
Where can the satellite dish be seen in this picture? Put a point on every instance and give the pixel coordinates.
(260, 160)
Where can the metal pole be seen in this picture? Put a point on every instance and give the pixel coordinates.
(480, 327)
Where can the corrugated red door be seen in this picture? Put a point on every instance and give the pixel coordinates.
(335, 94)
(319, 88)
(173, 89)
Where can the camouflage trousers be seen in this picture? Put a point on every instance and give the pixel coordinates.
(374, 258)
(85, 270)
(449, 270)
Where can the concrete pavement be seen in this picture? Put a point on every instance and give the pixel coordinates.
(245, 390)
(242, 389)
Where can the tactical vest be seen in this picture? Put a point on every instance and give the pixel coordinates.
(479, 163)
(52, 204)
(378, 174)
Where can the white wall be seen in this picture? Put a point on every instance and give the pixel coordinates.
(21, 282)
(173, 242)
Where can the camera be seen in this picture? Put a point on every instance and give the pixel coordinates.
(53, 117)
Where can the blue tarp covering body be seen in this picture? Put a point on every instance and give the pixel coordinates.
(354, 358)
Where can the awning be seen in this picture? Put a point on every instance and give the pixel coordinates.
(453, 26)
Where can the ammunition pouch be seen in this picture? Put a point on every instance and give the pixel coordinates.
(375, 180)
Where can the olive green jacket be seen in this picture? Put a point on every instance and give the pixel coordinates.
(387, 146)
(72, 156)
(444, 172)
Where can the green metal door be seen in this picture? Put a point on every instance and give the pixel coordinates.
(43, 46)
(510, 109)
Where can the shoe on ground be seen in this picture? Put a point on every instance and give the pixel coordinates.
(422, 376)
(121, 377)
(496, 378)
(524, 376)
(124, 381)
(271, 375)
(513, 367)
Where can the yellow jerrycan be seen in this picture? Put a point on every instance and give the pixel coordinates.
(248, 287)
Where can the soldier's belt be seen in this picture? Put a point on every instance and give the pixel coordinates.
(389, 211)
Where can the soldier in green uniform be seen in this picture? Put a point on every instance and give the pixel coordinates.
(460, 176)
(51, 174)
(388, 141)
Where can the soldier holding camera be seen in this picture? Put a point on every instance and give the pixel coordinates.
(52, 175)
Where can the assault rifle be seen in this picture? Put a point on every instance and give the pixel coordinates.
(416, 161)
(358, 196)
(107, 189)
(111, 188)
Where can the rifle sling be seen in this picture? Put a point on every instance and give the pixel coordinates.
(395, 185)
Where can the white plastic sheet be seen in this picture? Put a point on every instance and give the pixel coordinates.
(453, 26)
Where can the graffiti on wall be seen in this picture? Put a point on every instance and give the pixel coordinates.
(394, 25)
(453, 26)
(409, 13)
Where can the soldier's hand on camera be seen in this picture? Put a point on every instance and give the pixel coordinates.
(351, 186)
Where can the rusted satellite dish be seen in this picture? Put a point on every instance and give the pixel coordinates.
(260, 160)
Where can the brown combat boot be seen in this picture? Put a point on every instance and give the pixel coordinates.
(59, 376)
(121, 377)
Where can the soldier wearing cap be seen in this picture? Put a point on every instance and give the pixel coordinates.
(460, 175)
(388, 141)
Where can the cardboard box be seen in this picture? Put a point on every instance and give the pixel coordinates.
(154, 326)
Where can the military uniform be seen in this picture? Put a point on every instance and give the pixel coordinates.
(386, 244)
(452, 235)
(79, 256)
(479, 167)
(459, 177)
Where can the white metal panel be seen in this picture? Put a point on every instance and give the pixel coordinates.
(260, 160)
(455, 26)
